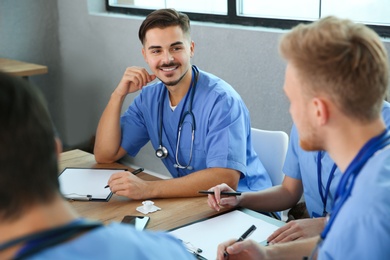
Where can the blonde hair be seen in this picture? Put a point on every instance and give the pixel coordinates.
(342, 59)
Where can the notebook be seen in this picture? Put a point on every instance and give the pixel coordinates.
(86, 183)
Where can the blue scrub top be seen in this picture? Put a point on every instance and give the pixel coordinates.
(118, 241)
(361, 229)
(222, 135)
(302, 165)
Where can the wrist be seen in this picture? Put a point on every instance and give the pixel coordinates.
(115, 96)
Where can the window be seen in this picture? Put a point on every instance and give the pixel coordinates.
(282, 14)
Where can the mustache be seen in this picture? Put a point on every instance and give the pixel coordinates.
(171, 64)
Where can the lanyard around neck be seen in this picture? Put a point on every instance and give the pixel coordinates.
(348, 179)
(324, 198)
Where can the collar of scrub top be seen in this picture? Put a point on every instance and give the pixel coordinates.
(36, 242)
(189, 112)
(348, 178)
(324, 197)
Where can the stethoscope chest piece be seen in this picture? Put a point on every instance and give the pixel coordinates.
(161, 152)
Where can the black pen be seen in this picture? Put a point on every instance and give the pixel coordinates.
(227, 193)
(79, 197)
(245, 235)
(133, 172)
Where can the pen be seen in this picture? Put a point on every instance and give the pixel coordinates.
(227, 193)
(79, 197)
(245, 235)
(133, 172)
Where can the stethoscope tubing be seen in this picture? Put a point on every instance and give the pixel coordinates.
(162, 152)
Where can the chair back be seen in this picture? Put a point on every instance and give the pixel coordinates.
(271, 148)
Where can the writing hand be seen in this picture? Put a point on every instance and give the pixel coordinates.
(128, 185)
(247, 249)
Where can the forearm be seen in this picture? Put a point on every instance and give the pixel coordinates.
(276, 198)
(188, 186)
(108, 134)
(292, 250)
(269, 200)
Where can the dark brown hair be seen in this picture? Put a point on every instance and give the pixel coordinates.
(28, 160)
(163, 18)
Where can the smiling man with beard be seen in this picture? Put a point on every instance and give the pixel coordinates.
(196, 122)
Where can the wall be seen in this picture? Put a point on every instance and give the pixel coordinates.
(96, 48)
(29, 32)
(87, 51)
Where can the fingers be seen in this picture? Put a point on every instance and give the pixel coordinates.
(222, 248)
(247, 249)
(121, 181)
(115, 177)
(134, 79)
(212, 202)
(217, 193)
(216, 201)
(288, 232)
(139, 76)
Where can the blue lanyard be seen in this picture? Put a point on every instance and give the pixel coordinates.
(348, 179)
(327, 188)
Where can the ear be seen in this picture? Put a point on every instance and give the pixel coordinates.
(58, 146)
(192, 49)
(321, 108)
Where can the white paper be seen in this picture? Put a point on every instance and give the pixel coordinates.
(76, 182)
(208, 234)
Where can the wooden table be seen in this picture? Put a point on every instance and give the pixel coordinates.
(20, 68)
(174, 212)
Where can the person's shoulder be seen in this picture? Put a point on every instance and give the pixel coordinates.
(118, 241)
(382, 159)
(216, 87)
(143, 242)
(212, 80)
(385, 105)
(377, 170)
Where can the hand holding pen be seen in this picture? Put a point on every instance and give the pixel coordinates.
(241, 248)
(128, 185)
(244, 236)
(133, 172)
(221, 196)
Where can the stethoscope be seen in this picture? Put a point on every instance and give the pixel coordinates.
(36, 242)
(324, 197)
(347, 180)
(162, 151)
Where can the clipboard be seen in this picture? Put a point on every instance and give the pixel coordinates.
(208, 233)
(86, 184)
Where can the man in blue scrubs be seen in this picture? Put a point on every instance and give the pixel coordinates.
(196, 122)
(35, 220)
(336, 79)
(299, 167)
(299, 179)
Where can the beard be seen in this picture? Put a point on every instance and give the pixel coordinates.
(310, 142)
(173, 82)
